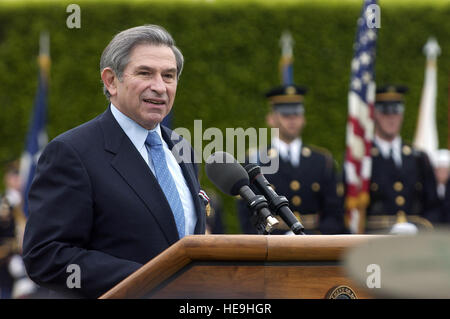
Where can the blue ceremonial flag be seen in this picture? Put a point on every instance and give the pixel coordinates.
(37, 136)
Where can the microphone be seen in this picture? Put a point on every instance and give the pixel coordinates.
(277, 204)
(232, 179)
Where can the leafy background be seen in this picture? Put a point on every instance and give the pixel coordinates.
(232, 52)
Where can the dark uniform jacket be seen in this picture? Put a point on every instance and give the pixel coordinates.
(409, 190)
(311, 191)
(8, 246)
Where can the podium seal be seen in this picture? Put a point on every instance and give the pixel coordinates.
(341, 292)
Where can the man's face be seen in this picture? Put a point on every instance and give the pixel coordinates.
(290, 126)
(149, 82)
(387, 126)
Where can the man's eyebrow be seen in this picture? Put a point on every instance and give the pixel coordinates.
(174, 70)
(144, 67)
(147, 68)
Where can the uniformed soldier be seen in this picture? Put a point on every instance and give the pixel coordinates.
(403, 184)
(8, 247)
(14, 282)
(306, 174)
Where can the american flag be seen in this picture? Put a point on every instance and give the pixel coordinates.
(360, 126)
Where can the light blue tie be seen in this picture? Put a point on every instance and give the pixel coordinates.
(165, 179)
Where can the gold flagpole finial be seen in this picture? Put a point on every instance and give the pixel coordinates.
(44, 52)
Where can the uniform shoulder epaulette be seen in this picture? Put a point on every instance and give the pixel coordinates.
(320, 150)
(409, 149)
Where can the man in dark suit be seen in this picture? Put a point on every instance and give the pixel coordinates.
(305, 176)
(403, 184)
(111, 194)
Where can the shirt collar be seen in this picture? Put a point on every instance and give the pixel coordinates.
(283, 147)
(136, 133)
(385, 146)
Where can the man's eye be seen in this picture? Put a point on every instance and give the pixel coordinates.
(169, 76)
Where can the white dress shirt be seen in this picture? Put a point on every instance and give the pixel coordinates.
(385, 148)
(288, 152)
(137, 135)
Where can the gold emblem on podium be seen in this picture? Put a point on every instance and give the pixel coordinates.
(341, 292)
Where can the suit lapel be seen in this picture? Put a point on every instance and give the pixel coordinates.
(136, 173)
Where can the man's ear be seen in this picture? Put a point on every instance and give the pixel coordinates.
(108, 78)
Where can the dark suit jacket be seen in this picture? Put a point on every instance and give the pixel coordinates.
(95, 203)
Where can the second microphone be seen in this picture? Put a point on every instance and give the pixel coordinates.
(279, 205)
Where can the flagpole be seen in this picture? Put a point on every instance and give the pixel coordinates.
(426, 135)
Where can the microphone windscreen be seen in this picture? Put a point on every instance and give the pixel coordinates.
(253, 170)
(226, 173)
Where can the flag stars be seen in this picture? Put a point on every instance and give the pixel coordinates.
(366, 77)
(364, 39)
(365, 58)
(355, 64)
(356, 84)
(371, 35)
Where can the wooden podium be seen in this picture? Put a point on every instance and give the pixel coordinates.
(245, 266)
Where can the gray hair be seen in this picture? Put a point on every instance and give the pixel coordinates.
(116, 55)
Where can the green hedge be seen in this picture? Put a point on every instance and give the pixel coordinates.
(231, 51)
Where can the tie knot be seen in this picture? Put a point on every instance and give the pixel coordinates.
(153, 139)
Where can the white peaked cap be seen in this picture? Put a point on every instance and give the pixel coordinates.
(442, 158)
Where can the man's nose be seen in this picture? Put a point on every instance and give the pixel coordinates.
(157, 84)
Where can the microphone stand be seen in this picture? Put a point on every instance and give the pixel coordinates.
(261, 218)
(277, 204)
